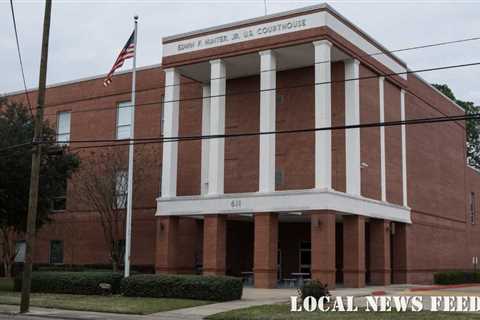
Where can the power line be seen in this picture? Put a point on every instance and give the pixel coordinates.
(318, 62)
(20, 58)
(376, 76)
(149, 140)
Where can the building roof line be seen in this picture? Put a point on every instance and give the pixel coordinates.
(324, 6)
(78, 80)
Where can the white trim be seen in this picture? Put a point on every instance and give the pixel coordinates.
(323, 115)
(352, 136)
(216, 161)
(404, 148)
(170, 129)
(275, 28)
(383, 170)
(282, 201)
(205, 142)
(268, 64)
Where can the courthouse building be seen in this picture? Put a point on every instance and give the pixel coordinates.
(371, 205)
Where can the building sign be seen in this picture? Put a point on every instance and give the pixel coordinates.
(276, 28)
(245, 34)
(252, 33)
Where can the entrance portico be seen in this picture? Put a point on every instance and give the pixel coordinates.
(320, 206)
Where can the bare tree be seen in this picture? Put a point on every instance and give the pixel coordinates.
(101, 184)
(9, 248)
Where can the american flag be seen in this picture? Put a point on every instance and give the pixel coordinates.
(127, 52)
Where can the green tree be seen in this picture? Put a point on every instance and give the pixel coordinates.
(57, 166)
(472, 126)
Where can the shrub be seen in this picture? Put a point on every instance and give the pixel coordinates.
(456, 277)
(213, 288)
(313, 288)
(72, 282)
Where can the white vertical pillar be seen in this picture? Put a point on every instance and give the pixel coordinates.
(217, 126)
(267, 120)
(352, 117)
(205, 142)
(170, 129)
(323, 114)
(404, 148)
(383, 170)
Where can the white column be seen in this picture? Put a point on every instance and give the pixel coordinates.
(383, 170)
(352, 117)
(267, 120)
(217, 126)
(170, 129)
(404, 148)
(205, 142)
(323, 114)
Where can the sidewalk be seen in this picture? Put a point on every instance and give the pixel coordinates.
(251, 297)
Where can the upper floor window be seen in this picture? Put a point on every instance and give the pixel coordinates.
(473, 208)
(59, 202)
(124, 120)
(63, 127)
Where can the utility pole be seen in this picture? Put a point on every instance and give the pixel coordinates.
(35, 173)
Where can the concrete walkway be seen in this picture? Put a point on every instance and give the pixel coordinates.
(251, 297)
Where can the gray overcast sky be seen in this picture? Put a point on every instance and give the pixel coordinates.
(87, 35)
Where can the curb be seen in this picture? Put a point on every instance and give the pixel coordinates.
(448, 286)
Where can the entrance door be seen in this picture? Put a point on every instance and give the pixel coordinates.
(305, 257)
(279, 265)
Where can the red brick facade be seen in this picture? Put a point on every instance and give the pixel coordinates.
(344, 248)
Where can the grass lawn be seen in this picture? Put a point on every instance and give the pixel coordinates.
(282, 312)
(113, 304)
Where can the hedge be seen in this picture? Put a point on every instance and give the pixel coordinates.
(456, 277)
(72, 282)
(212, 288)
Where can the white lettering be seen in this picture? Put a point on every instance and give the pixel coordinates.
(372, 303)
(417, 303)
(401, 303)
(321, 304)
(309, 304)
(294, 305)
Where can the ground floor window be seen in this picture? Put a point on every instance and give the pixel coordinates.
(20, 249)
(56, 252)
(305, 256)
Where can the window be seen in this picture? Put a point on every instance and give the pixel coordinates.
(20, 249)
(63, 128)
(278, 178)
(56, 252)
(305, 256)
(473, 208)
(59, 203)
(124, 120)
(121, 188)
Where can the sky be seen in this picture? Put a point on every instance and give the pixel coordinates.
(86, 36)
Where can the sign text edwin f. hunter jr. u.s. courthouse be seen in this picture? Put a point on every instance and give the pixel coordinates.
(246, 34)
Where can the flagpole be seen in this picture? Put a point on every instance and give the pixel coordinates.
(128, 226)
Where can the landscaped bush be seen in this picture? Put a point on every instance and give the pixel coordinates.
(92, 267)
(213, 288)
(456, 277)
(73, 282)
(313, 288)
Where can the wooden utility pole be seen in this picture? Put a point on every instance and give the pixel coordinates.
(36, 156)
